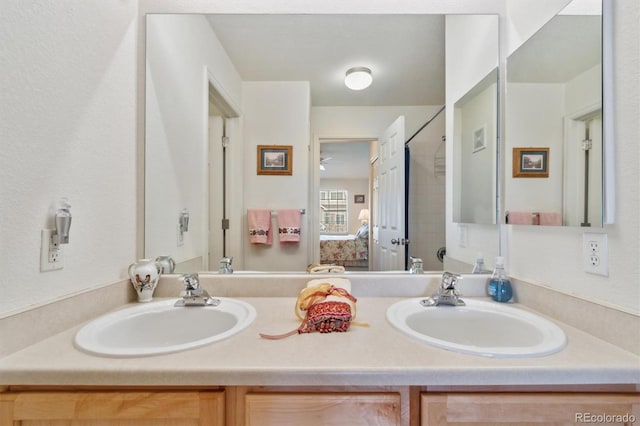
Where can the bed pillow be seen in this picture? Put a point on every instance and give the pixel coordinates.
(363, 232)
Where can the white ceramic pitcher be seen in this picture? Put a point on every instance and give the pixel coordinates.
(144, 275)
(167, 263)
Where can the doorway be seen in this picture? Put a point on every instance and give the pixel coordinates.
(222, 120)
(342, 195)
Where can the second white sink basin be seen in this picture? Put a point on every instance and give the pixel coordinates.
(160, 327)
(481, 328)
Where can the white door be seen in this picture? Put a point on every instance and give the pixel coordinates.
(390, 241)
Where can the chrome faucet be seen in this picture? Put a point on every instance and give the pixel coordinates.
(193, 294)
(225, 265)
(447, 294)
(415, 265)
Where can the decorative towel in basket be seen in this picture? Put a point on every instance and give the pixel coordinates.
(324, 268)
(322, 315)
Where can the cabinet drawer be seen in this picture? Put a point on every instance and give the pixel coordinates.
(310, 409)
(527, 408)
(87, 408)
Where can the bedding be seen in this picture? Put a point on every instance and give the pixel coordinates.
(341, 249)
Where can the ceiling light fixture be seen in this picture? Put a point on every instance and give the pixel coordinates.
(358, 78)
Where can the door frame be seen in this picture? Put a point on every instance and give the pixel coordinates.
(215, 93)
(314, 187)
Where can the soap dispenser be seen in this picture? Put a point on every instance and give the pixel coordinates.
(499, 287)
(478, 267)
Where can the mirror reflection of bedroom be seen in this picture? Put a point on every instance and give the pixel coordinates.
(349, 199)
(345, 170)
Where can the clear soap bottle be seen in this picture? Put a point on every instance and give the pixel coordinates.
(478, 267)
(499, 287)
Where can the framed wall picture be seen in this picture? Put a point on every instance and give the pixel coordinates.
(358, 199)
(530, 162)
(479, 139)
(275, 160)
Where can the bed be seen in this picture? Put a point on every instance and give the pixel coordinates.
(344, 250)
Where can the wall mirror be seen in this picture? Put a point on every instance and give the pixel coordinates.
(554, 139)
(475, 153)
(203, 76)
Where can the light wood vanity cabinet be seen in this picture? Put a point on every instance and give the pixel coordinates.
(111, 408)
(309, 406)
(527, 408)
(233, 406)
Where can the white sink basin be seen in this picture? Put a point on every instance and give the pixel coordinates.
(481, 328)
(159, 328)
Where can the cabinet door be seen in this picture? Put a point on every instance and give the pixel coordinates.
(528, 409)
(311, 409)
(121, 408)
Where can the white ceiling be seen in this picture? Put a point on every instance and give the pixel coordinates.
(345, 160)
(564, 47)
(404, 52)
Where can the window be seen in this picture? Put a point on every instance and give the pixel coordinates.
(333, 211)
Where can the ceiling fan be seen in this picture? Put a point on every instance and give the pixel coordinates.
(324, 161)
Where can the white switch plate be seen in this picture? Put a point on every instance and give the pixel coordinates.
(51, 257)
(463, 235)
(595, 253)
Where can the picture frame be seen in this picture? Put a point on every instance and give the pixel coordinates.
(358, 199)
(530, 162)
(479, 139)
(275, 160)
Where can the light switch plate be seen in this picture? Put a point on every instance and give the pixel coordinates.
(463, 235)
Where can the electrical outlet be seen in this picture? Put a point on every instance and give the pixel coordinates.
(595, 254)
(51, 257)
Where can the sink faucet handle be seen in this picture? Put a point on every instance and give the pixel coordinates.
(225, 265)
(191, 281)
(449, 280)
(193, 294)
(415, 265)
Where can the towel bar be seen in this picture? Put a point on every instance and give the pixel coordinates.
(275, 212)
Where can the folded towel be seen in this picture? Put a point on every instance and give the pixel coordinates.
(259, 226)
(324, 268)
(342, 283)
(325, 306)
(289, 226)
(550, 218)
(522, 218)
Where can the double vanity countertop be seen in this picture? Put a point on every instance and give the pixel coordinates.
(364, 356)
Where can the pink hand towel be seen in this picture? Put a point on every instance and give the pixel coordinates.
(550, 219)
(289, 226)
(259, 226)
(522, 218)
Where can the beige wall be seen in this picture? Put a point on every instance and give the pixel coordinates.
(72, 118)
(68, 123)
(552, 257)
